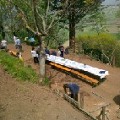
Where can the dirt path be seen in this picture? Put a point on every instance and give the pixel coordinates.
(26, 101)
(95, 98)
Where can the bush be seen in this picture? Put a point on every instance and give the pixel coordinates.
(102, 47)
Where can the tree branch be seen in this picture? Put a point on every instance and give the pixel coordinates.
(24, 20)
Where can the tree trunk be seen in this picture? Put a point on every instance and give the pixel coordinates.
(72, 28)
(42, 58)
(113, 61)
(41, 43)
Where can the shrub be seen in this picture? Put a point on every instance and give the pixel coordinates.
(102, 47)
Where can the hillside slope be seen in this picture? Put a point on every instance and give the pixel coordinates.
(26, 101)
(95, 97)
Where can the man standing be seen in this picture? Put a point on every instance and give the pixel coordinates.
(34, 55)
(18, 44)
(14, 37)
(74, 90)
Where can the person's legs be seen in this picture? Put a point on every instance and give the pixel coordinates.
(62, 54)
(76, 97)
(32, 43)
(16, 46)
(72, 96)
(2, 47)
(36, 60)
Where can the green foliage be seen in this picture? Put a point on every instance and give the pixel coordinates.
(96, 20)
(56, 36)
(103, 47)
(0, 37)
(16, 68)
(118, 12)
(117, 56)
(93, 40)
(117, 35)
(22, 34)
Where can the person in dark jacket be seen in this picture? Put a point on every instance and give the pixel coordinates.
(74, 90)
(47, 51)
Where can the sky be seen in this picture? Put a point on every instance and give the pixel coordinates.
(111, 2)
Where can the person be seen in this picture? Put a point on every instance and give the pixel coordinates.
(18, 44)
(3, 44)
(58, 52)
(61, 49)
(73, 88)
(47, 51)
(62, 52)
(17, 54)
(26, 39)
(53, 52)
(34, 55)
(14, 38)
(38, 51)
(32, 41)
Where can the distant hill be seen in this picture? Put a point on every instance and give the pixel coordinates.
(112, 21)
(111, 24)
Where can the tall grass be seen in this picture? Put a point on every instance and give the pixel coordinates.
(16, 68)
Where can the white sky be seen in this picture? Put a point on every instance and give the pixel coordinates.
(111, 2)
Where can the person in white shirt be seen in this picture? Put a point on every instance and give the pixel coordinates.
(3, 44)
(34, 55)
(58, 53)
(14, 38)
(18, 44)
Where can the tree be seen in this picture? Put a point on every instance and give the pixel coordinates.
(37, 18)
(75, 10)
(8, 20)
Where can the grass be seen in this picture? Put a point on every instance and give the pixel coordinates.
(16, 68)
(117, 35)
(46, 81)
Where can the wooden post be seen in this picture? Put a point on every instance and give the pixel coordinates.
(78, 100)
(103, 113)
(82, 100)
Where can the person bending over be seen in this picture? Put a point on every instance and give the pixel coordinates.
(73, 88)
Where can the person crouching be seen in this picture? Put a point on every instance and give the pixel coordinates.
(73, 88)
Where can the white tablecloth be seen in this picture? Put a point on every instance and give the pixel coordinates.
(76, 65)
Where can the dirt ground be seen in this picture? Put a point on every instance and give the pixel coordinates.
(27, 101)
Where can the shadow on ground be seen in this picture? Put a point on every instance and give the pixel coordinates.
(116, 99)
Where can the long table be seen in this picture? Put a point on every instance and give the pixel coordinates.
(101, 73)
